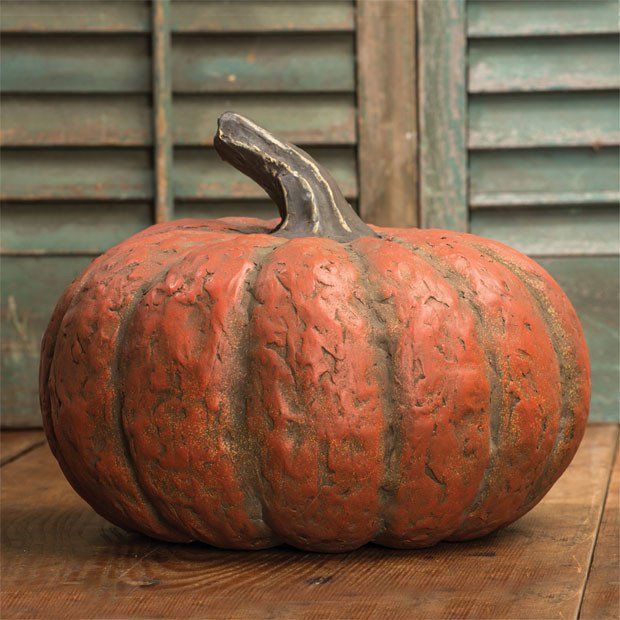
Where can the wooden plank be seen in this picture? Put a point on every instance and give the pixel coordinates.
(592, 285)
(442, 116)
(302, 119)
(524, 18)
(251, 63)
(116, 16)
(602, 595)
(88, 228)
(15, 443)
(266, 63)
(76, 174)
(162, 112)
(30, 289)
(61, 560)
(125, 120)
(552, 231)
(544, 176)
(65, 64)
(200, 174)
(264, 209)
(538, 64)
(544, 120)
(387, 153)
(75, 120)
(87, 16)
(107, 174)
(262, 16)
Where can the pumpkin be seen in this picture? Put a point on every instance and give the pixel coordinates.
(317, 381)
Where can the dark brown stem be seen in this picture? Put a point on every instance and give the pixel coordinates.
(309, 201)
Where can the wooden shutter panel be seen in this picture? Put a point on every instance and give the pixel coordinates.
(544, 129)
(519, 135)
(82, 154)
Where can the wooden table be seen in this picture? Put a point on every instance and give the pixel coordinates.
(61, 560)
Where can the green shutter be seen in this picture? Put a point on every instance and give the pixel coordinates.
(84, 159)
(543, 132)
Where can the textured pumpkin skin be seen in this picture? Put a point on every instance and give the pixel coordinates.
(205, 380)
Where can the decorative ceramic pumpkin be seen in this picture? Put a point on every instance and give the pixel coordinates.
(318, 382)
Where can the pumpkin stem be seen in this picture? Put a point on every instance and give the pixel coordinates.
(308, 199)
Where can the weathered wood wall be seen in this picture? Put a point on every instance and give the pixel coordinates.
(498, 117)
(107, 121)
(519, 130)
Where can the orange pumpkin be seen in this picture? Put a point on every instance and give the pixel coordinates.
(317, 382)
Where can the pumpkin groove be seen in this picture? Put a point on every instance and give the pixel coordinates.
(319, 383)
(384, 321)
(495, 374)
(543, 351)
(227, 266)
(571, 366)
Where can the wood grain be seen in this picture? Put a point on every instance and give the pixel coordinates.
(162, 112)
(442, 114)
(231, 64)
(602, 594)
(61, 560)
(125, 174)
(123, 120)
(543, 64)
(543, 120)
(122, 16)
(81, 227)
(523, 18)
(387, 153)
(15, 443)
(553, 230)
(544, 177)
(263, 16)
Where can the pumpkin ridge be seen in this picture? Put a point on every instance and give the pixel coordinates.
(191, 289)
(118, 387)
(568, 367)
(314, 412)
(105, 265)
(46, 368)
(83, 488)
(530, 387)
(251, 471)
(379, 315)
(493, 370)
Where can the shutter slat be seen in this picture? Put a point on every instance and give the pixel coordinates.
(544, 176)
(114, 120)
(262, 16)
(76, 174)
(527, 18)
(79, 227)
(121, 64)
(552, 231)
(233, 64)
(114, 64)
(544, 120)
(125, 174)
(200, 174)
(538, 64)
(75, 120)
(94, 16)
(200, 16)
(305, 120)
(264, 209)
